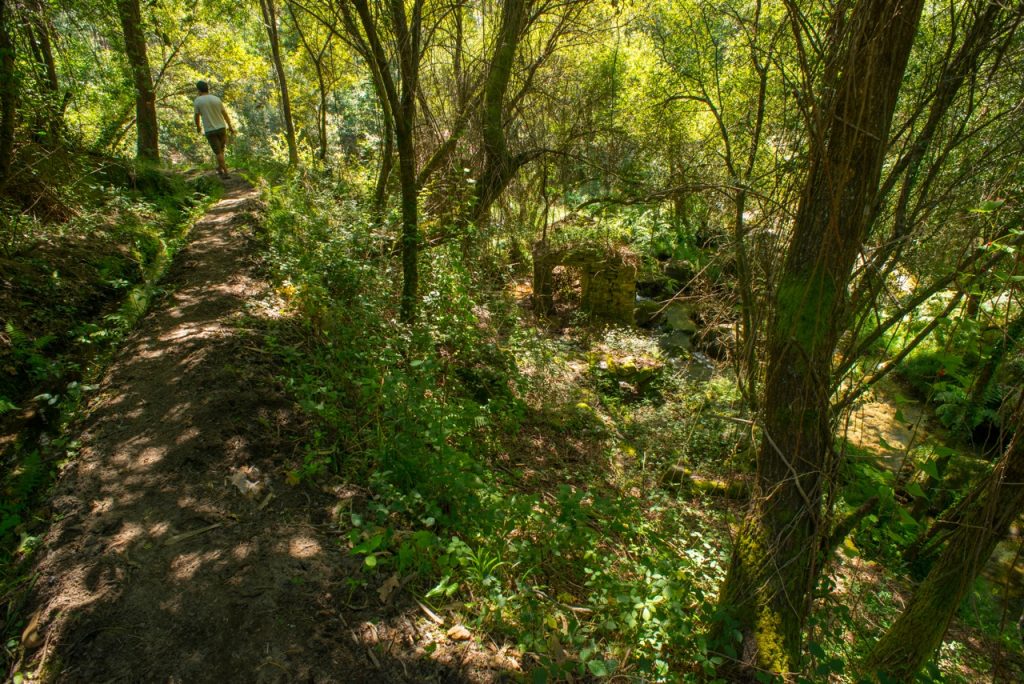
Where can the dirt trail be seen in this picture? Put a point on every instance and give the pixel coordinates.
(156, 567)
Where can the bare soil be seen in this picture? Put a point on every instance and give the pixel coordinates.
(157, 567)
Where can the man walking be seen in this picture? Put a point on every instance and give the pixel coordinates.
(215, 123)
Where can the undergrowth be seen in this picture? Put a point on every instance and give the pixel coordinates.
(511, 480)
(569, 494)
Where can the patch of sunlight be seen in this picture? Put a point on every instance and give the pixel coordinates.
(303, 547)
(128, 533)
(242, 551)
(78, 588)
(100, 506)
(159, 529)
(188, 433)
(135, 413)
(185, 566)
(190, 330)
(149, 457)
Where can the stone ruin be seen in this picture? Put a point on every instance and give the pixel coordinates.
(607, 279)
(608, 284)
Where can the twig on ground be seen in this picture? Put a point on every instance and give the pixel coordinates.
(188, 535)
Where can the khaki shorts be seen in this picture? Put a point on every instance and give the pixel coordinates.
(218, 139)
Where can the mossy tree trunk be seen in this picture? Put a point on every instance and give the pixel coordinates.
(996, 502)
(147, 144)
(499, 165)
(776, 561)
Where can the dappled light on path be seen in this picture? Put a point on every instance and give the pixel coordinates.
(157, 567)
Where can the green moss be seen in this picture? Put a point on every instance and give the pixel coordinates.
(803, 308)
(771, 644)
(767, 625)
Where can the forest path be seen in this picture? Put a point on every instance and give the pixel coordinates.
(157, 567)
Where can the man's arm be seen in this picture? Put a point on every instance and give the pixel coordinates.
(227, 119)
(199, 127)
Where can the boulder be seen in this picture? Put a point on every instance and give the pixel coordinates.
(676, 343)
(679, 270)
(685, 479)
(647, 313)
(677, 318)
(636, 370)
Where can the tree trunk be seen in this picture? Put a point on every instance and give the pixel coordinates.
(996, 502)
(270, 23)
(499, 165)
(372, 53)
(145, 95)
(410, 224)
(991, 20)
(776, 560)
(317, 57)
(8, 91)
(387, 152)
(407, 34)
(40, 31)
(402, 104)
(322, 114)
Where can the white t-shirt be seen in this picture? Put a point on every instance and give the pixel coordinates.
(211, 110)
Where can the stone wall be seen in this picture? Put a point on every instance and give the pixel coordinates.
(607, 277)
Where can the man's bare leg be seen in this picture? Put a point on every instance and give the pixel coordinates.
(222, 167)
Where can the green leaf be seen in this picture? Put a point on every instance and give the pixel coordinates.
(988, 206)
(931, 468)
(370, 545)
(906, 518)
(371, 561)
(915, 490)
(597, 668)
